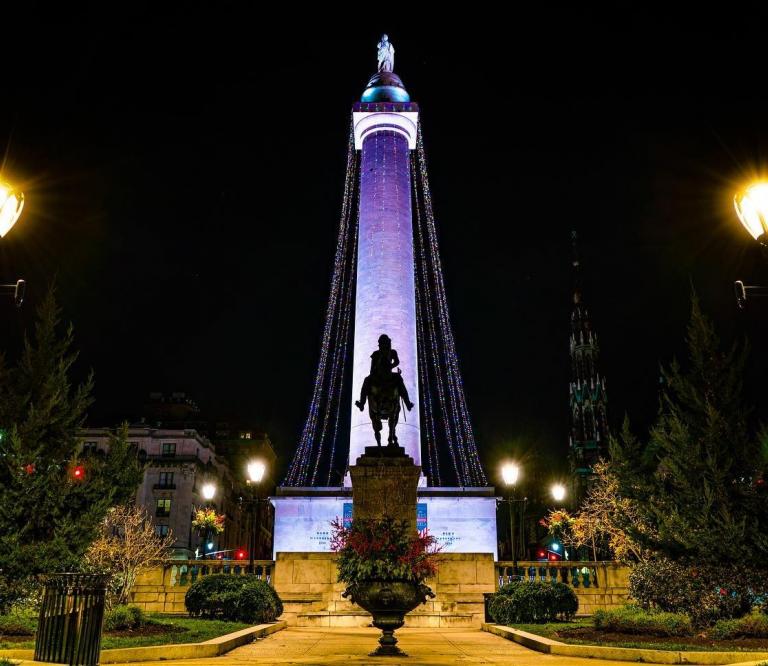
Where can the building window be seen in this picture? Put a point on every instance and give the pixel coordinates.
(90, 447)
(169, 449)
(161, 530)
(163, 507)
(166, 480)
(245, 435)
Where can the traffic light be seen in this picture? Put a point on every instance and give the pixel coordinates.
(240, 555)
(78, 473)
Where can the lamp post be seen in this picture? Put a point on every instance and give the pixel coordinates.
(510, 473)
(209, 492)
(751, 206)
(11, 205)
(256, 470)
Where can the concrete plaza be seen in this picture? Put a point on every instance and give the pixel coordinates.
(433, 647)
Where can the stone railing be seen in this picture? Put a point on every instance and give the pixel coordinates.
(186, 572)
(575, 574)
(162, 589)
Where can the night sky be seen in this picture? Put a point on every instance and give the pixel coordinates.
(184, 175)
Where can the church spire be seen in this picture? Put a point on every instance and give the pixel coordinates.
(588, 398)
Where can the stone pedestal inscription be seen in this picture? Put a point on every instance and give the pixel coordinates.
(384, 483)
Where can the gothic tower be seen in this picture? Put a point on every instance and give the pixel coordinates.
(588, 397)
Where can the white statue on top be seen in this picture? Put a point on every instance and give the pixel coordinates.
(386, 55)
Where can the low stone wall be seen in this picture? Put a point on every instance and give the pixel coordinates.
(306, 582)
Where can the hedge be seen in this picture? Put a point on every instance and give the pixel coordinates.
(525, 602)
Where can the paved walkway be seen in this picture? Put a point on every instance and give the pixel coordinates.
(425, 647)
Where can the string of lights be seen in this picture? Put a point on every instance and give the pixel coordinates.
(443, 401)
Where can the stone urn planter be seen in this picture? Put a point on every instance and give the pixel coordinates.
(388, 602)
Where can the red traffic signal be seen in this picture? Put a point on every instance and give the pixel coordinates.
(240, 554)
(78, 473)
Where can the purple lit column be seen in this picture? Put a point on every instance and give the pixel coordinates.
(386, 297)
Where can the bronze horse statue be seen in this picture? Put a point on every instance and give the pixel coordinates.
(383, 389)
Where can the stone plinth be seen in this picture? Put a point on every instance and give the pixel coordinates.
(384, 483)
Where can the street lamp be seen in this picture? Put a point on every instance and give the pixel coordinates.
(256, 470)
(510, 473)
(751, 206)
(558, 492)
(209, 490)
(11, 205)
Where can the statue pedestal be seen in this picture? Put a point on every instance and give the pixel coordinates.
(384, 483)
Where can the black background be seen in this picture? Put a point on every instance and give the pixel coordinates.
(184, 173)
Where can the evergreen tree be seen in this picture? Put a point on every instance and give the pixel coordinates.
(699, 483)
(52, 499)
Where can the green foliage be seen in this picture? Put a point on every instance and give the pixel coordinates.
(18, 622)
(47, 517)
(384, 549)
(521, 602)
(697, 484)
(124, 617)
(754, 625)
(242, 598)
(706, 593)
(635, 620)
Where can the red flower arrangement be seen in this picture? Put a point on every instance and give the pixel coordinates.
(384, 549)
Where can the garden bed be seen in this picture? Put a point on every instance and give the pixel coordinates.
(161, 630)
(582, 632)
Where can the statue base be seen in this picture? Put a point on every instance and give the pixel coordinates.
(388, 451)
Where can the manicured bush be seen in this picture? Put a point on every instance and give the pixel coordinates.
(525, 602)
(241, 598)
(18, 622)
(635, 620)
(125, 617)
(706, 593)
(754, 625)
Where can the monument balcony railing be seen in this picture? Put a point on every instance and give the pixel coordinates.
(186, 572)
(576, 574)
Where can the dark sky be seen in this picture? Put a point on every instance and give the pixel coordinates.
(184, 175)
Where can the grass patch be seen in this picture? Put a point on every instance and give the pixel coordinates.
(175, 629)
(582, 632)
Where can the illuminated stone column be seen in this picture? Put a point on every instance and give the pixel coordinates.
(386, 295)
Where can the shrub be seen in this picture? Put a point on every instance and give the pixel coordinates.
(706, 593)
(635, 620)
(523, 602)
(18, 622)
(241, 598)
(754, 625)
(125, 617)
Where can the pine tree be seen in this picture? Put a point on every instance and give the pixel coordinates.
(52, 499)
(699, 481)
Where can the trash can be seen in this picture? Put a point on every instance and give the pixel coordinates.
(487, 598)
(71, 617)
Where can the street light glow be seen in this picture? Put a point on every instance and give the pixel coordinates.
(209, 490)
(751, 206)
(558, 492)
(510, 472)
(256, 470)
(11, 205)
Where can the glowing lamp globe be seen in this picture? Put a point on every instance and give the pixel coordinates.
(558, 492)
(11, 205)
(510, 472)
(256, 470)
(751, 206)
(209, 490)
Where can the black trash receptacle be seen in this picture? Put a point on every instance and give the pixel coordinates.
(71, 617)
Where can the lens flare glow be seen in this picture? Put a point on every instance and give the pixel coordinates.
(209, 490)
(752, 208)
(558, 492)
(11, 205)
(256, 471)
(510, 473)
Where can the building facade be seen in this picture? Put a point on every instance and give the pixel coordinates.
(178, 463)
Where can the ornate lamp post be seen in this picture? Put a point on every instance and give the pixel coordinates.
(751, 206)
(256, 470)
(11, 205)
(510, 473)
